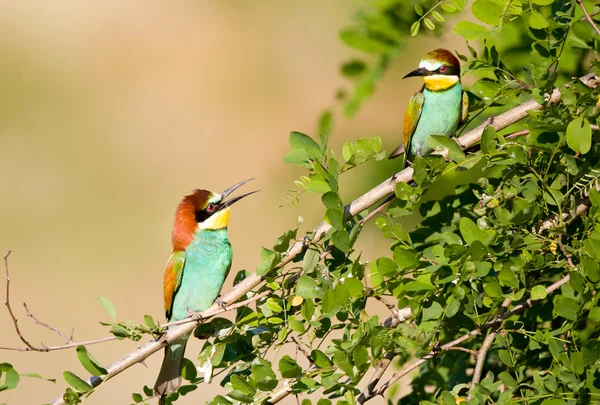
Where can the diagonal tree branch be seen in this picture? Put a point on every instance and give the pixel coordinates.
(481, 355)
(588, 16)
(357, 206)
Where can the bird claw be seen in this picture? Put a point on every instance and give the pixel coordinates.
(194, 315)
(219, 301)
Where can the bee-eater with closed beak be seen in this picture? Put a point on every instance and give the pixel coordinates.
(437, 109)
(195, 271)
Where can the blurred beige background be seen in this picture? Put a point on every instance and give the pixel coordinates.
(111, 111)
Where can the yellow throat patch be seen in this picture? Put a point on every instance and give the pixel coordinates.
(439, 82)
(216, 221)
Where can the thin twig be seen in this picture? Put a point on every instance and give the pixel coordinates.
(362, 203)
(377, 210)
(38, 322)
(564, 251)
(393, 308)
(303, 351)
(463, 349)
(594, 127)
(588, 16)
(10, 311)
(492, 324)
(380, 369)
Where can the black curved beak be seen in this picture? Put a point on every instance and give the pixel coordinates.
(226, 203)
(418, 72)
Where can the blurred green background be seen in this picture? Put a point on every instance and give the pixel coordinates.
(111, 111)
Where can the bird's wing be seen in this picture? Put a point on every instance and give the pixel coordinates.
(411, 118)
(172, 280)
(465, 107)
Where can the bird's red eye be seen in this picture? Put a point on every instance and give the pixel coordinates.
(443, 68)
(210, 208)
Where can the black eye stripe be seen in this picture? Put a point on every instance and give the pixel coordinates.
(202, 216)
(450, 70)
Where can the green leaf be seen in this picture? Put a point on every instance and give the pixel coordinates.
(11, 379)
(308, 310)
(455, 153)
(360, 357)
(506, 358)
(240, 396)
(311, 259)
(492, 289)
(566, 307)
(432, 311)
(317, 186)
(353, 68)
(354, 286)
(289, 368)
(241, 385)
(300, 141)
(149, 321)
(579, 135)
(470, 231)
(406, 259)
(428, 23)
(470, 31)
(265, 377)
(592, 247)
(414, 28)
(188, 370)
(76, 382)
(487, 12)
(35, 375)
(386, 266)
(591, 269)
(332, 200)
(296, 325)
(335, 218)
(320, 359)
(307, 288)
(341, 240)
(537, 21)
(489, 140)
(89, 362)
(108, 307)
(538, 293)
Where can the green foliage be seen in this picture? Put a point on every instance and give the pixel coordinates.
(484, 233)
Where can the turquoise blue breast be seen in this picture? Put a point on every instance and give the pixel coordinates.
(207, 262)
(440, 116)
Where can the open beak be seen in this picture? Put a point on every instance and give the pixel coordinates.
(226, 203)
(418, 72)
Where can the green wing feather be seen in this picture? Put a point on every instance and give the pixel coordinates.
(465, 107)
(411, 119)
(172, 279)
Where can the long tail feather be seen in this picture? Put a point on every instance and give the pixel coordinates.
(169, 377)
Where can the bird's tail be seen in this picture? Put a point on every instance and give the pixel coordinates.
(169, 378)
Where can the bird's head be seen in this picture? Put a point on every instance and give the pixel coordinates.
(439, 69)
(203, 209)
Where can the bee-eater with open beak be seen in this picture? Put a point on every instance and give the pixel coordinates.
(195, 271)
(437, 109)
